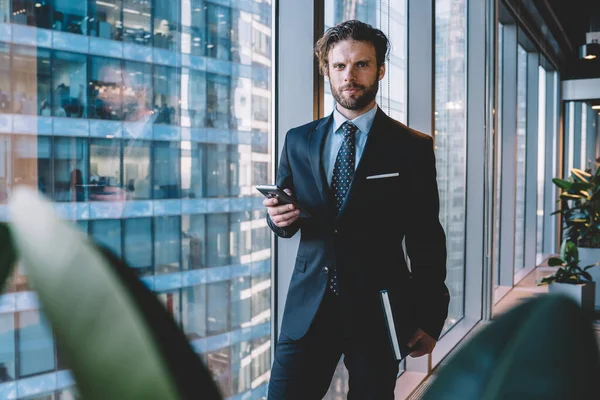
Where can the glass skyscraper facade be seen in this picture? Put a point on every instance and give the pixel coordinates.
(147, 122)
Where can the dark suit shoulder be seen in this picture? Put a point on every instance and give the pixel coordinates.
(407, 135)
(306, 128)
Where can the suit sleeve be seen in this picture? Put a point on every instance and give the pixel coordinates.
(426, 248)
(284, 180)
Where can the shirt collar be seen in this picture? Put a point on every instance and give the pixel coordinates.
(363, 122)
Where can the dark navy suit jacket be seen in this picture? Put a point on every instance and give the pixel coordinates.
(364, 240)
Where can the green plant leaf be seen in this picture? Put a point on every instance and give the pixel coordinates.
(579, 186)
(591, 266)
(561, 183)
(587, 276)
(581, 175)
(570, 196)
(555, 262)
(111, 348)
(8, 255)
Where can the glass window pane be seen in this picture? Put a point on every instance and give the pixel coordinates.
(7, 347)
(27, 12)
(137, 21)
(166, 21)
(70, 169)
(70, 16)
(521, 152)
(241, 371)
(69, 97)
(105, 86)
(217, 100)
(35, 344)
(138, 241)
(167, 245)
(172, 302)
(137, 90)
(541, 180)
(219, 364)
(5, 79)
(193, 27)
(136, 169)
(193, 237)
(218, 308)
(105, 163)
(218, 252)
(218, 32)
(31, 163)
(193, 98)
(241, 302)
(261, 299)
(217, 170)
(193, 159)
(451, 141)
(107, 232)
(166, 170)
(194, 311)
(105, 19)
(166, 95)
(31, 77)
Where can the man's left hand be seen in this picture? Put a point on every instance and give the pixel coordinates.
(421, 344)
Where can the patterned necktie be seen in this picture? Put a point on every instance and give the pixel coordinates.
(343, 172)
(343, 169)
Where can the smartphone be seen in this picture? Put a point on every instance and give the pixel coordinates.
(273, 191)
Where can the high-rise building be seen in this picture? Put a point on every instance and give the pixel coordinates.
(147, 122)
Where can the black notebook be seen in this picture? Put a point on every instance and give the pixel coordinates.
(399, 346)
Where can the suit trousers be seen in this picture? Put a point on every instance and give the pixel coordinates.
(303, 369)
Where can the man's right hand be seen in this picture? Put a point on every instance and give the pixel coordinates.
(284, 215)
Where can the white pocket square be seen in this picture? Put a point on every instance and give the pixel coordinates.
(383, 176)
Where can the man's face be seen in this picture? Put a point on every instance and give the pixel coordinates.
(353, 74)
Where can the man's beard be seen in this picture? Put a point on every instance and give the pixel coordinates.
(359, 102)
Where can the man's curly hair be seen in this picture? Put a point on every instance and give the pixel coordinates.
(351, 30)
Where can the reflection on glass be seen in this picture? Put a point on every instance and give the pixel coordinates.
(166, 95)
(137, 90)
(521, 152)
(137, 242)
(166, 21)
(217, 167)
(219, 364)
(261, 298)
(69, 98)
(217, 99)
(218, 31)
(451, 141)
(70, 16)
(193, 107)
(166, 170)
(193, 239)
(105, 86)
(32, 12)
(70, 169)
(241, 361)
(172, 302)
(192, 170)
(136, 169)
(7, 347)
(194, 311)
(108, 233)
(31, 162)
(31, 77)
(105, 19)
(241, 302)
(498, 161)
(105, 165)
(137, 21)
(218, 307)
(5, 79)
(35, 344)
(193, 27)
(167, 245)
(541, 158)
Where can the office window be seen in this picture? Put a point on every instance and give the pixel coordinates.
(166, 21)
(521, 152)
(136, 169)
(35, 344)
(218, 33)
(218, 247)
(219, 364)
(137, 91)
(172, 303)
(541, 179)
(137, 242)
(218, 307)
(241, 238)
(498, 161)
(32, 162)
(5, 12)
(194, 318)
(7, 348)
(31, 80)
(241, 302)
(5, 78)
(193, 158)
(70, 16)
(217, 99)
(167, 244)
(261, 299)
(105, 86)
(70, 169)
(241, 371)
(107, 232)
(137, 21)
(69, 97)
(217, 170)
(451, 125)
(27, 12)
(261, 364)
(193, 27)
(105, 19)
(193, 98)
(166, 95)
(193, 241)
(166, 170)
(105, 162)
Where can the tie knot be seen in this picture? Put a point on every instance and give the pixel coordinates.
(349, 129)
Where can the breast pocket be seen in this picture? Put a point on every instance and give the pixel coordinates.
(300, 264)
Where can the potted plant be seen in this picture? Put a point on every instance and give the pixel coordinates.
(570, 279)
(580, 209)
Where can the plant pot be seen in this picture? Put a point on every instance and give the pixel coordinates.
(582, 294)
(589, 256)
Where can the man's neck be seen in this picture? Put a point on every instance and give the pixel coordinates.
(352, 114)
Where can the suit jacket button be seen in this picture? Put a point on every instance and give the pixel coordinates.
(335, 231)
(325, 270)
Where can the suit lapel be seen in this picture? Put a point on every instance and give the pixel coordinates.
(315, 150)
(369, 152)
